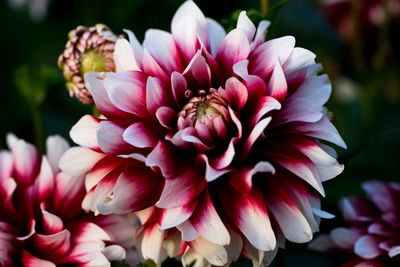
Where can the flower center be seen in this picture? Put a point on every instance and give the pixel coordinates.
(93, 60)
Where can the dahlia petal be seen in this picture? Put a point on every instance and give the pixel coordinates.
(174, 245)
(136, 48)
(380, 228)
(263, 106)
(190, 134)
(55, 148)
(181, 190)
(299, 59)
(6, 164)
(299, 109)
(161, 46)
(357, 209)
(250, 252)
(262, 59)
(245, 24)
(110, 138)
(187, 23)
(345, 238)
(98, 260)
(207, 223)
(191, 258)
(174, 216)
(394, 251)
(29, 260)
(198, 71)
(260, 34)
(11, 140)
(179, 87)
(167, 117)
(289, 218)
(84, 132)
(234, 48)
(237, 122)
(127, 91)
(100, 170)
(235, 246)
(316, 89)
(51, 223)
(382, 195)
(241, 180)
(114, 253)
(215, 254)
(152, 243)
(26, 162)
(151, 67)
(226, 158)
(216, 34)
(55, 245)
(322, 129)
(44, 182)
(156, 95)
(322, 214)
(124, 59)
(188, 231)
(367, 247)
(211, 173)
(95, 83)
(249, 213)
(254, 135)
(236, 93)
(277, 85)
(139, 179)
(139, 135)
(102, 193)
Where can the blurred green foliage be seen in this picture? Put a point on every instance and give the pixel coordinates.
(367, 116)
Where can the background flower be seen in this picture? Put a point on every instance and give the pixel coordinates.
(42, 222)
(219, 118)
(372, 231)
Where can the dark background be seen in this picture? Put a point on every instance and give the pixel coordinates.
(368, 120)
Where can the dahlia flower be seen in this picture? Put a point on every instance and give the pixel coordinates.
(88, 49)
(211, 138)
(373, 231)
(41, 220)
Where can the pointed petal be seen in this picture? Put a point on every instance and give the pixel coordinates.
(26, 162)
(236, 93)
(139, 135)
(55, 148)
(277, 85)
(124, 59)
(72, 161)
(215, 254)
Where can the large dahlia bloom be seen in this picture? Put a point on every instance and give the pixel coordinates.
(372, 234)
(41, 219)
(209, 135)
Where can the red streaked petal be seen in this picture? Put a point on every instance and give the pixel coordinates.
(277, 85)
(152, 243)
(29, 260)
(26, 162)
(55, 148)
(179, 87)
(53, 245)
(198, 72)
(174, 216)
(245, 24)
(139, 135)
(157, 95)
(110, 138)
(236, 93)
(241, 180)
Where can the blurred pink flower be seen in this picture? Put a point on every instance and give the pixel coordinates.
(373, 232)
(41, 220)
(210, 134)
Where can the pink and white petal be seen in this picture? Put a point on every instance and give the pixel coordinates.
(101, 169)
(110, 138)
(345, 238)
(167, 117)
(6, 164)
(139, 135)
(315, 88)
(179, 87)
(394, 251)
(98, 260)
(262, 107)
(182, 190)
(224, 160)
(26, 162)
(114, 253)
(152, 243)
(216, 34)
(235, 246)
(299, 59)
(127, 91)
(236, 93)
(198, 72)
(152, 68)
(187, 23)
(255, 134)
(95, 83)
(215, 254)
(51, 223)
(54, 245)
(79, 160)
(207, 222)
(367, 247)
(139, 179)
(174, 216)
(356, 209)
(262, 59)
(84, 132)
(44, 183)
(249, 213)
(252, 253)
(174, 245)
(11, 140)
(289, 218)
(188, 231)
(124, 58)
(260, 34)
(233, 49)
(277, 86)
(241, 180)
(298, 110)
(211, 172)
(157, 95)
(382, 195)
(29, 260)
(245, 24)
(136, 48)
(55, 148)
(191, 258)
(161, 46)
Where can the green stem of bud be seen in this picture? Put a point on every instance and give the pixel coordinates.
(264, 6)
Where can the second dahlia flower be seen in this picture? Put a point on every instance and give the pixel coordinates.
(372, 234)
(41, 220)
(211, 135)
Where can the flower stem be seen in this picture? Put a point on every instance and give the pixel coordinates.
(264, 6)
